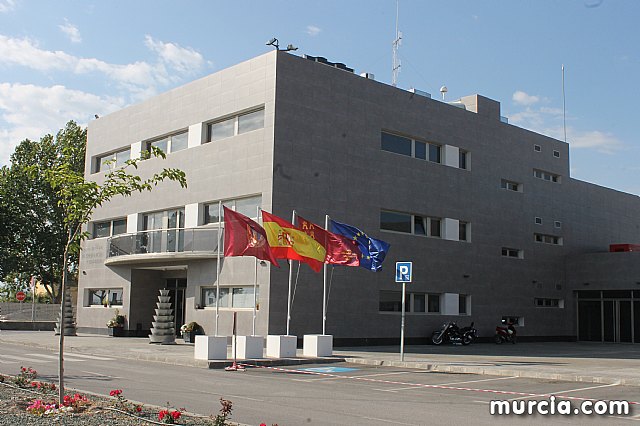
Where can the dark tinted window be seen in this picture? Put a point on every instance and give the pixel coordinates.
(397, 144)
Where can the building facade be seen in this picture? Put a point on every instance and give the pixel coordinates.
(487, 212)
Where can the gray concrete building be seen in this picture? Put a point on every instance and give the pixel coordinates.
(487, 212)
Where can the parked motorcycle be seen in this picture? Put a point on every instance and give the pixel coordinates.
(470, 331)
(506, 334)
(450, 332)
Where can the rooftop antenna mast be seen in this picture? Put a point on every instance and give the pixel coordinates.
(396, 44)
(564, 109)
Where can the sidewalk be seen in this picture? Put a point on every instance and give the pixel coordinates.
(577, 362)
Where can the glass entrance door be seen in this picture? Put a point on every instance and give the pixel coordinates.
(177, 288)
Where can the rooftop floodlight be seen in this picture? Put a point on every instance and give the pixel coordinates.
(274, 42)
(290, 48)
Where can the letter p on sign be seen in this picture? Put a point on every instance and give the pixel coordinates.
(404, 272)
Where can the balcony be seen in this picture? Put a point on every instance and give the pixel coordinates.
(163, 245)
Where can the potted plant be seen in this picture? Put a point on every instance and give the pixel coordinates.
(116, 325)
(189, 331)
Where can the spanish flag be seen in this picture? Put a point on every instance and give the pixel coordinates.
(287, 241)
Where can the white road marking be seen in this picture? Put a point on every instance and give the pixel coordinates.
(95, 357)
(447, 384)
(101, 375)
(24, 360)
(386, 421)
(351, 377)
(55, 357)
(559, 394)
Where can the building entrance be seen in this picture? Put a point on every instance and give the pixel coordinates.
(609, 316)
(177, 287)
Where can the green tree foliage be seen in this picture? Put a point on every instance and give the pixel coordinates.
(32, 223)
(78, 198)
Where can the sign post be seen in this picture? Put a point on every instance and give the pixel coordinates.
(404, 276)
(32, 284)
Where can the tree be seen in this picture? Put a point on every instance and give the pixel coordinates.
(78, 198)
(32, 225)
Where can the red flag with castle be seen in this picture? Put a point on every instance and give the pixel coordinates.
(244, 237)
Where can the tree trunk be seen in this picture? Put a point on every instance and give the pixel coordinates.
(62, 293)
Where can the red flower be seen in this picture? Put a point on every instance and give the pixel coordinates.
(115, 392)
(24, 369)
(176, 415)
(263, 424)
(138, 408)
(161, 414)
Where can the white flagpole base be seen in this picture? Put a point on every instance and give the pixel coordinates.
(317, 345)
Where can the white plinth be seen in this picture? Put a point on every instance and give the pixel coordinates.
(281, 346)
(210, 347)
(248, 347)
(317, 345)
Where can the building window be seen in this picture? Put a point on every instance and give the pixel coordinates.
(169, 144)
(537, 148)
(556, 153)
(247, 206)
(419, 303)
(433, 303)
(230, 297)
(104, 297)
(463, 231)
(548, 239)
(109, 228)
(238, 124)
(390, 301)
(251, 121)
(463, 299)
(512, 252)
(410, 224)
(510, 185)
(509, 319)
(435, 153)
(112, 160)
(410, 147)
(396, 144)
(463, 159)
(538, 221)
(548, 303)
(546, 176)
(557, 224)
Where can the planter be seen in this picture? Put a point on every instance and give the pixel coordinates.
(116, 331)
(189, 336)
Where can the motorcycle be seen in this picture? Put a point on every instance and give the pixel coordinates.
(452, 333)
(506, 334)
(470, 331)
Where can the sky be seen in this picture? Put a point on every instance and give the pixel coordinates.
(68, 60)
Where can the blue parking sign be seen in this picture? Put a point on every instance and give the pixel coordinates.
(404, 272)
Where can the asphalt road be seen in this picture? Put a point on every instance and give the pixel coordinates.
(334, 394)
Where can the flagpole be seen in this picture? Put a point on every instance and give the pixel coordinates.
(324, 285)
(255, 282)
(218, 266)
(293, 221)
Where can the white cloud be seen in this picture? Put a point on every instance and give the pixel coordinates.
(548, 121)
(172, 65)
(182, 59)
(71, 31)
(29, 111)
(313, 31)
(7, 5)
(522, 98)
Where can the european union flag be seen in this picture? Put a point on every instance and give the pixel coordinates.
(373, 250)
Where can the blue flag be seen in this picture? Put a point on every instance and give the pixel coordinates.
(373, 250)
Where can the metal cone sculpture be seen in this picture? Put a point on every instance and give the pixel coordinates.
(163, 330)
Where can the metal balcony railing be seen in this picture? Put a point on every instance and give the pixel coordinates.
(178, 240)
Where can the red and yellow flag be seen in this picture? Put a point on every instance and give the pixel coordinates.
(288, 241)
(340, 249)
